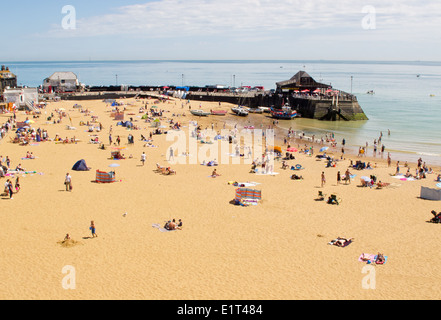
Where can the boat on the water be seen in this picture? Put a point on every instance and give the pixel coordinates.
(200, 113)
(240, 111)
(286, 113)
(218, 112)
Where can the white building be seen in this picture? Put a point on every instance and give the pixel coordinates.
(23, 98)
(61, 82)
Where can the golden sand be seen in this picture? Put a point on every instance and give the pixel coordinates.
(275, 250)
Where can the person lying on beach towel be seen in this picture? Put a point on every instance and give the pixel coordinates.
(296, 177)
(379, 258)
(341, 242)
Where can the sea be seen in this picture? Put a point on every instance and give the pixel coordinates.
(406, 99)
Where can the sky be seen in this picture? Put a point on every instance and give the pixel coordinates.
(392, 30)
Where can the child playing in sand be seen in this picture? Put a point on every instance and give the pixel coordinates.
(215, 174)
(92, 229)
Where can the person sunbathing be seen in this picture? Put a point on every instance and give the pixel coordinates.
(381, 185)
(380, 258)
(296, 177)
(169, 171)
(341, 242)
(365, 257)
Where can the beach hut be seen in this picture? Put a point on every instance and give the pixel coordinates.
(430, 194)
(247, 194)
(80, 166)
(105, 177)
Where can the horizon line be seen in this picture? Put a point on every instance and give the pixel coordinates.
(225, 60)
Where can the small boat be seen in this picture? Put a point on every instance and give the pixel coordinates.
(240, 111)
(218, 112)
(370, 92)
(255, 110)
(265, 109)
(286, 113)
(200, 113)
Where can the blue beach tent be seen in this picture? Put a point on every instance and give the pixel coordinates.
(80, 166)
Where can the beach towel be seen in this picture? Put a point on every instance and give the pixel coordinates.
(158, 226)
(267, 174)
(243, 184)
(402, 178)
(438, 185)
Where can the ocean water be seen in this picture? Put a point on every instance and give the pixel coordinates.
(402, 102)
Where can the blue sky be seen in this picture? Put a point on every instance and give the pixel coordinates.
(227, 29)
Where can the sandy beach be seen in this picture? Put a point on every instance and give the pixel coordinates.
(277, 249)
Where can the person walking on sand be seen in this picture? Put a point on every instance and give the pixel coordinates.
(338, 177)
(171, 155)
(143, 158)
(17, 185)
(347, 177)
(93, 229)
(10, 189)
(68, 182)
(323, 179)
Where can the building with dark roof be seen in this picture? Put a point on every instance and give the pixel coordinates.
(7, 79)
(299, 82)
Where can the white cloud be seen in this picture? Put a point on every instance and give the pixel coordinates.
(178, 18)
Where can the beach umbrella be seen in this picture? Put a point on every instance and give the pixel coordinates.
(324, 149)
(291, 150)
(114, 165)
(317, 91)
(305, 91)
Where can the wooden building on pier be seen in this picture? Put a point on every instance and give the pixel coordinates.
(300, 82)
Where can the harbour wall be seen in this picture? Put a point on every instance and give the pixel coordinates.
(322, 108)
